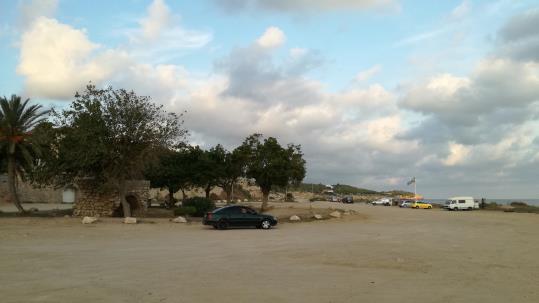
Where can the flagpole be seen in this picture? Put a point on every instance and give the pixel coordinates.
(415, 189)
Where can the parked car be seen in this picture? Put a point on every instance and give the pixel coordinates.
(460, 203)
(420, 204)
(238, 216)
(383, 201)
(333, 198)
(405, 203)
(347, 199)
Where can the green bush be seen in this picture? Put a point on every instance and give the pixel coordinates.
(184, 211)
(201, 205)
(289, 197)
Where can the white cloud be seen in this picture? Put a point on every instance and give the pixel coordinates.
(272, 37)
(158, 19)
(56, 59)
(369, 73)
(461, 10)
(160, 38)
(31, 10)
(308, 5)
(458, 153)
(519, 38)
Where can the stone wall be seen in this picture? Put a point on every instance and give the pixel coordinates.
(88, 202)
(106, 203)
(30, 194)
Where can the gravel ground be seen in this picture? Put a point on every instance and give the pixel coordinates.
(386, 254)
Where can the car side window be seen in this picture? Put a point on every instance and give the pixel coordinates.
(235, 210)
(462, 201)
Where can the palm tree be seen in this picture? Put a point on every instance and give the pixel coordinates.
(17, 119)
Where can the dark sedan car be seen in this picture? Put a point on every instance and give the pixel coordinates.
(347, 199)
(240, 216)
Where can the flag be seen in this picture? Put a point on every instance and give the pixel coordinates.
(412, 181)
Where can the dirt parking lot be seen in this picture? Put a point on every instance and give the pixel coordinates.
(386, 255)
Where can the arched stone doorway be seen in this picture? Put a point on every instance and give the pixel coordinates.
(137, 209)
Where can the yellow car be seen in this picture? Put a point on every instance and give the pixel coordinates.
(420, 204)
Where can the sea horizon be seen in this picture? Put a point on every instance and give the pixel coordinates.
(528, 201)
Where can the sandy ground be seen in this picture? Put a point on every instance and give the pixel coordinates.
(386, 255)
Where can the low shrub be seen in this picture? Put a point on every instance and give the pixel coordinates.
(184, 211)
(317, 198)
(200, 204)
(519, 204)
(289, 197)
(492, 205)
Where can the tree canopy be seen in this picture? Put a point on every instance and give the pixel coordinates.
(270, 164)
(17, 151)
(108, 135)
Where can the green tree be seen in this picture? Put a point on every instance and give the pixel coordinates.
(270, 164)
(108, 136)
(17, 119)
(228, 167)
(173, 171)
(204, 170)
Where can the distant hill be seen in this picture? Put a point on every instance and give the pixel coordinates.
(344, 189)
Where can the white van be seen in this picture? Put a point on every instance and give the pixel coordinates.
(460, 203)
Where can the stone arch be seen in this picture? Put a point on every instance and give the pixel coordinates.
(135, 203)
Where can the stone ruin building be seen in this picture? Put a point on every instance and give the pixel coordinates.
(86, 201)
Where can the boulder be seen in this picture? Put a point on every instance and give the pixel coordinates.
(295, 218)
(317, 216)
(346, 213)
(335, 214)
(89, 220)
(130, 220)
(179, 219)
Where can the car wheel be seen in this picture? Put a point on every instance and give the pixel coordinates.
(222, 224)
(215, 226)
(429, 207)
(265, 224)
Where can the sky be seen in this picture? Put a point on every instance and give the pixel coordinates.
(375, 91)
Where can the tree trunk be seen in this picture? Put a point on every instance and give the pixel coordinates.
(265, 195)
(228, 191)
(121, 191)
(183, 195)
(207, 190)
(11, 181)
(170, 197)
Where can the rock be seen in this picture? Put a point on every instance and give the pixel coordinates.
(33, 210)
(318, 217)
(335, 214)
(346, 213)
(89, 220)
(245, 200)
(295, 218)
(67, 216)
(180, 219)
(130, 220)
